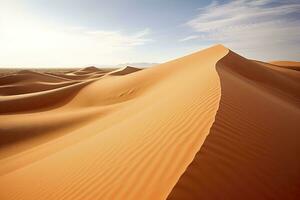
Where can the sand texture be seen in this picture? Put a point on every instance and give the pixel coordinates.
(210, 125)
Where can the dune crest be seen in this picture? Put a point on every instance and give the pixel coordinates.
(253, 147)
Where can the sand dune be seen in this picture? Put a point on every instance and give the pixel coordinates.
(87, 70)
(16, 89)
(287, 64)
(210, 125)
(25, 76)
(124, 71)
(253, 147)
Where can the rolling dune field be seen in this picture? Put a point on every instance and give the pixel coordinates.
(210, 125)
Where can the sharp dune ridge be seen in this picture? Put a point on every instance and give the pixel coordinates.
(210, 125)
(253, 147)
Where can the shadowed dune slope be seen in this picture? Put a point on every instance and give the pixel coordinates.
(26, 76)
(252, 151)
(140, 133)
(23, 88)
(40, 100)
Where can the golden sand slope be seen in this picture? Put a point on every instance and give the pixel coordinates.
(252, 151)
(141, 134)
(129, 136)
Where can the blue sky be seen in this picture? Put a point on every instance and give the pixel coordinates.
(67, 33)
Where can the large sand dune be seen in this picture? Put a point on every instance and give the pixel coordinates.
(210, 125)
(252, 151)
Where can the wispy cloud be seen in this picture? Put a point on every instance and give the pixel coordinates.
(28, 41)
(191, 37)
(260, 29)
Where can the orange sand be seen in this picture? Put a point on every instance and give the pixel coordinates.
(210, 125)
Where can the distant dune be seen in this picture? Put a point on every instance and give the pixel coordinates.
(287, 64)
(210, 125)
(124, 71)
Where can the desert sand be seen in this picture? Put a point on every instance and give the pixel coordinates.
(210, 125)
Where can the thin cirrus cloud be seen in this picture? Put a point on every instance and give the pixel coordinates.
(27, 41)
(190, 37)
(265, 29)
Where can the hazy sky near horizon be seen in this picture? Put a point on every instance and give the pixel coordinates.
(69, 33)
